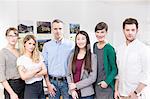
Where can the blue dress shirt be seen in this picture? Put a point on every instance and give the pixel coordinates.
(56, 55)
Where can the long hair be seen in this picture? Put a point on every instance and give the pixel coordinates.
(35, 54)
(87, 58)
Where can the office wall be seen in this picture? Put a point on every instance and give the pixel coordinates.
(85, 12)
(8, 17)
(88, 13)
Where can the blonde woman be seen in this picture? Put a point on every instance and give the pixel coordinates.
(31, 69)
(9, 75)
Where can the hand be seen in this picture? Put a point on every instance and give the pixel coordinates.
(103, 84)
(116, 95)
(13, 96)
(72, 86)
(132, 95)
(52, 90)
(74, 94)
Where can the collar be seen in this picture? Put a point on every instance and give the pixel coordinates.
(60, 41)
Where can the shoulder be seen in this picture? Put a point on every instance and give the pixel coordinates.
(21, 58)
(109, 48)
(4, 52)
(95, 44)
(68, 42)
(93, 56)
(48, 43)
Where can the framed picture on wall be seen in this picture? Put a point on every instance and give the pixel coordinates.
(41, 43)
(74, 28)
(25, 26)
(43, 27)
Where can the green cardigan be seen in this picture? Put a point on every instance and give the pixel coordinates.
(110, 66)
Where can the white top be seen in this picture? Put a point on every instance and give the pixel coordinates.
(132, 62)
(29, 65)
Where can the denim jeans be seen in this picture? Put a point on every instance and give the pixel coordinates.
(62, 89)
(18, 86)
(34, 90)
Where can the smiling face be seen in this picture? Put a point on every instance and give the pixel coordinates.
(100, 35)
(81, 41)
(29, 45)
(130, 32)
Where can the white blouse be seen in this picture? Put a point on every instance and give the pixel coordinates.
(29, 65)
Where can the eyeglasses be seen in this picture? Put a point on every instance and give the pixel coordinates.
(12, 36)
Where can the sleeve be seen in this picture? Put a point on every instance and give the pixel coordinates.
(20, 62)
(94, 46)
(117, 76)
(2, 66)
(45, 55)
(112, 62)
(69, 71)
(92, 76)
(145, 62)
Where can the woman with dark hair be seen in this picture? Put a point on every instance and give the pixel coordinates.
(106, 63)
(82, 68)
(9, 75)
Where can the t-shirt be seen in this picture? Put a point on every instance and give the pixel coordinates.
(29, 65)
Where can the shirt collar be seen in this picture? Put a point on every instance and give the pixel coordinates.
(132, 43)
(59, 41)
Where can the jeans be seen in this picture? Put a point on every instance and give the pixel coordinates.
(87, 97)
(34, 90)
(18, 86)
(62, 89)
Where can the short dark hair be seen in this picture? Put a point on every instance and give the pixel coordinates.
(101, 26)
(11, 29)
(57, 21)
(130, 21)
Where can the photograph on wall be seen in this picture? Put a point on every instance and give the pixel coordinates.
(25, 26)
(43, 27)
(41, 43)
(74, 28)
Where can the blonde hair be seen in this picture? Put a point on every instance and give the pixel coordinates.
(35, 54)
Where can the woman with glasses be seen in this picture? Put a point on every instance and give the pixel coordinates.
(9, 75)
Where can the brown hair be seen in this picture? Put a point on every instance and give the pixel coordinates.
(101, 26)
(11, 29)
(130, 21)
(87, 58)
(57, 21)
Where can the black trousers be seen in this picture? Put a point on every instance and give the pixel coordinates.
(18, 85)
(34, 90)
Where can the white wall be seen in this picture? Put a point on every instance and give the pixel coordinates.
(88, 13)
(8, 17)
(85, 12)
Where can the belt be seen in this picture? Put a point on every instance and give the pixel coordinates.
(57, 78)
